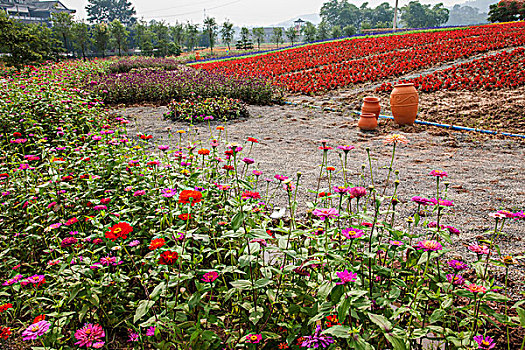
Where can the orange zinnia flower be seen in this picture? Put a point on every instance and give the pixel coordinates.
(157, 243)
(190, 196)
(203, 151)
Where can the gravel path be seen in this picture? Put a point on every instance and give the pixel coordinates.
(484, 174)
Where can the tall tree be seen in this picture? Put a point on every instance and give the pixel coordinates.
(161, 38)
(309, 32)
(277, 36)
(258, 34)
(25, 43)
(62, 23)
(323, 31)
(192, 35)
(106, 11)
(177, 33)
(245, 37)
(143, 37)
(81, 37)
(336, 32)
(416, 15)
(291, 34)
(227, 33)
(119, 35)
(211, 27)
(101, 35)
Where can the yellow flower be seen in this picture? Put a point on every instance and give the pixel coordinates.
(395, 138)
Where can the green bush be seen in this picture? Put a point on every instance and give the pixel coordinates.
(201, 109)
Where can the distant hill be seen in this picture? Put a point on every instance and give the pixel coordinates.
(312, 17)
(482, 5)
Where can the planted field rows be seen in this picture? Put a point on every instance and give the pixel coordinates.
(318, 68)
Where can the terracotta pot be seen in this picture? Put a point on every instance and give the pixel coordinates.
(404, 101)
(371, 105)
(367, 121)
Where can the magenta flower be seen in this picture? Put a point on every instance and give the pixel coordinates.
(341, 189)
(100, 207)
(89, 335)
(457, 280)
(346, 276)
(429, 246)
(68, 241)
(452, 230)
(358, 192)
(317, 340)
(169, 192)
(442, 202)
(479, 249)
(438, 173)
(346, 148)
(484, 343)
(248, 160)
(108, 260)
(134, 243)
(253, 338)
(164, 147)
(133, 336)
(139, 193)
(13, 280)
(209, 117)
(457, 265)
(257, 173)
(151, 331)
(35, 279)
(281, 177)
(352, 233)
(396, 243)
(421, 200)
(325, 213)
(35, 330)
(210, 276)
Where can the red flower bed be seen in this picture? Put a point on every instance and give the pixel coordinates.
(322, 67)
(505, 69)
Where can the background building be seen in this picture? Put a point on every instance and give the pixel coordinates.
(30, 11)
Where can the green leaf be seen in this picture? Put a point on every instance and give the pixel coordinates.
(241, 284)
(339, 331)
(437, 315)
(256, 316)
(263, 282)
(521, 314)
(161, 287)
(495, 297)
(144, 307)
(324, 290)
(237, 220)
(343, 309)
(381, 321)
(396, 342)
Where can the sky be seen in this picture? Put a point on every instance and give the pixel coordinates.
(239, 12)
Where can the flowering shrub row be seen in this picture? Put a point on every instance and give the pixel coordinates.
(204, 109)
(502, 70)
(162, 86)
(316, 68)
(124, 65)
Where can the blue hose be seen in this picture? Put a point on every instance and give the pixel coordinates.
(422, 122)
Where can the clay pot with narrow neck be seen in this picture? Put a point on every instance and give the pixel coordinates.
(404, 102)
(367, 121)
(371, 105)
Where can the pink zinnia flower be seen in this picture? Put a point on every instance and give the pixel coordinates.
(457, 265)
(352, 233)
(325, 213)
(35, 330)
(89, 335)
(253, 338)
(210, 276)
(421, 200)
(438, 173)
(139, 193)
(248, 160)
(346, 276)
(168, 192)
(346, 148)
(479, 249)
(164, 147)
(485, 343)
(151, 331)
(429, 246)
(281, 177)
(358, 192)
(455, 279)
(442, 202)
(474, 288)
